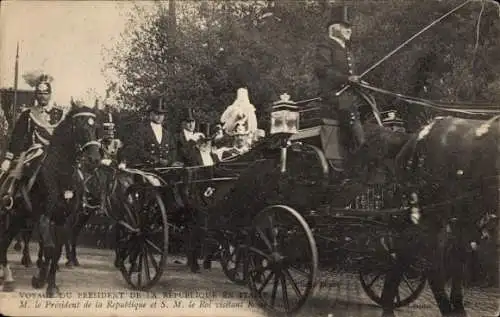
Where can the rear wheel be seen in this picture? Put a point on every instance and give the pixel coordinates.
(281, 262)
(143, 243)
(373, 275)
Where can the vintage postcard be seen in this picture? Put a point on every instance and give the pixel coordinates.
(250, 158)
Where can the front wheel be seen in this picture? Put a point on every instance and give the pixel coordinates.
(143, 243)
(281, 262)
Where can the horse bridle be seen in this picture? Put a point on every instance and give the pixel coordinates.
(81, 148)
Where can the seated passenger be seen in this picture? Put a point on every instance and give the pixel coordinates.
(195, 149)
(151, 144)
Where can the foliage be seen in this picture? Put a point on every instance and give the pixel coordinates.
(220, 46)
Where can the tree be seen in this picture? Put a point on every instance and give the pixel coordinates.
(220, 46)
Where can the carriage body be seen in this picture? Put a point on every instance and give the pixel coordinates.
(324, 217)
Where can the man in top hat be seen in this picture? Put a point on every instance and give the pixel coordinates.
(151, 144)
(34, 128)
(334, 67)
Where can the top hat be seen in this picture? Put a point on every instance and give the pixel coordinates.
(158, 105)
(338, 16)
(188, 115)
(43, 85)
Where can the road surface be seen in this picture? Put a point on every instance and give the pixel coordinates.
(97, 280)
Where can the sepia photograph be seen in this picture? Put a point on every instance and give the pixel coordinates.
(260, 158)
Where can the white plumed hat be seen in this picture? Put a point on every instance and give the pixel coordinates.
(240, 111)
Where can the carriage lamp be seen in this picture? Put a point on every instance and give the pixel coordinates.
(284, 121)
(284, 116)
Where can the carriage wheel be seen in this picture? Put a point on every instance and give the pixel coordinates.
(232, 257)
(281, 262)
(412, 284)
(143, 244)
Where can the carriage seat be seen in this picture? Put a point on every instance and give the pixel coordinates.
(324, 134)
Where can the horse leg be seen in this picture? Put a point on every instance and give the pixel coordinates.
(457, 269)
(60, 237)
(18, 245)
(48, 247)
(75, 233)
(39, 261)
(26, 234)
(12, 230)
(436, 274)
(390, 289)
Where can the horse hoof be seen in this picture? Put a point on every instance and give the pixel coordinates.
(37, 283)
(26, 261)
(207, 265)
(69, 264)
(75, 262)
(17, 246)
(52, 291)
(9, 286)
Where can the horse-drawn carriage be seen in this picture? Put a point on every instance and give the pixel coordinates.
(276, 215)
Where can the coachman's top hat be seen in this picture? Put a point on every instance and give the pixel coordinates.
(43, 85)
(158, 105)
(188, 115)
(338, 16)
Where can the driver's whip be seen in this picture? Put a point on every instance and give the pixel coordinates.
(383, 59)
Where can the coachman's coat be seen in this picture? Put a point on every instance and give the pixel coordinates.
(333, 66)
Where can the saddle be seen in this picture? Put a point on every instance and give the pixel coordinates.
(19, 181)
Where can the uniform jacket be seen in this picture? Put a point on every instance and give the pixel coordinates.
(35, 125)
(143, 148)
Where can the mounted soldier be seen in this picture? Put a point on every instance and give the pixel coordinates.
(334, 67)
(33, 131)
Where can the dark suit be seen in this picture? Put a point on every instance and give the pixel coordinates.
(143, 148)
(188, 153)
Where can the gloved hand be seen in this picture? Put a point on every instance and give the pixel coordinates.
(122, 166)
(5, 165)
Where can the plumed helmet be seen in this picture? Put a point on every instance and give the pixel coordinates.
(43, 85)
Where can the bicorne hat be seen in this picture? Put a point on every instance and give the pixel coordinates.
(157, 104)
(188, 115)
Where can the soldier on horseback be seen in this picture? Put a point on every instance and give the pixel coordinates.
(334, 68)
(33, 129)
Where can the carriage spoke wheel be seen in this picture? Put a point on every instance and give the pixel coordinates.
(143, 244)
(372, 281)
(232, 257)
(281, 262)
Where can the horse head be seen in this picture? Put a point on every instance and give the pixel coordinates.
(82, 130)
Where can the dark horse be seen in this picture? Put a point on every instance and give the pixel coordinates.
(449, 169)
(73, 146)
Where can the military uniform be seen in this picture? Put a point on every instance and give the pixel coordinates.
(34, 126)
(33, 130)
(333, 66)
